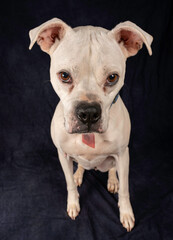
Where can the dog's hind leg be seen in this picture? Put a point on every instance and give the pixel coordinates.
(112, 184)
(78, 176)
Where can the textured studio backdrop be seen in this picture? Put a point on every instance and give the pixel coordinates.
(32, 183)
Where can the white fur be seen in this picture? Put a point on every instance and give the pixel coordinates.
(90, 54)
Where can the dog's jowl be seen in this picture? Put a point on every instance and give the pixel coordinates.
(91, 125)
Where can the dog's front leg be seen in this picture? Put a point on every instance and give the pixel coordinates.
(73, 207)
(126, 212)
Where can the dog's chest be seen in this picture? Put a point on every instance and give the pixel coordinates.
(102, 157)
(100, 162)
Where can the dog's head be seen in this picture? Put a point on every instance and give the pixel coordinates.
(88, 67)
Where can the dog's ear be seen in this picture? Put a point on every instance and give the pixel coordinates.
(49, 34)
(130, 37)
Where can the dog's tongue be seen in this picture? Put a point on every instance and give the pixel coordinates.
(89, 139)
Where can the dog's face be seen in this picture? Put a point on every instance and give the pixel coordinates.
(87, 69)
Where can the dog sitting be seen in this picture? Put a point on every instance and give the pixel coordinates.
(87, 72)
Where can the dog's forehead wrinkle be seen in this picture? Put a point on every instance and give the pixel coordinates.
(105, 56)
(91, 48)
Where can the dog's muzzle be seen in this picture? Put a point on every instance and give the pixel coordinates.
(88, 113)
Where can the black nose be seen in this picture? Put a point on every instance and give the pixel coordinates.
(88, 113)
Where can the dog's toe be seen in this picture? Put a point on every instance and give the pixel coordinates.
(128, 221)
(126, 213)
(78, 178)
(112, 185)
(73, 210)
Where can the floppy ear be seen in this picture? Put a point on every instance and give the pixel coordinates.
(130, 38)
(49, 34)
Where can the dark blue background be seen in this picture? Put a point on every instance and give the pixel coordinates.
(32, 184)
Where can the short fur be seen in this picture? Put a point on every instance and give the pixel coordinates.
(90, 54)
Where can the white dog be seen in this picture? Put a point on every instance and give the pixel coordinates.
(87, 72)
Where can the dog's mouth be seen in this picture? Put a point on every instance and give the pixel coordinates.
(83, 129)
(77, 127)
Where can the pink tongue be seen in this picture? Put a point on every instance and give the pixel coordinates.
(89, 139)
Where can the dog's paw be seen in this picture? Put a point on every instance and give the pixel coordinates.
(113, 185)
(78, 177)
(73, 210)
(127, 220)
(126, 215)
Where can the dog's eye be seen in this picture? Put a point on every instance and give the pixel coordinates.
(112, 79)
(65, 77)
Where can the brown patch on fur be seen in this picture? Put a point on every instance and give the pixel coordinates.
(92, 97)
(71, 88)
(104, 89)
(88, 97)
(83, 97)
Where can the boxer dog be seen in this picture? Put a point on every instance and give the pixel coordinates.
(91, 124)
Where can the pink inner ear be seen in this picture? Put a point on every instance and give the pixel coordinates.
(47, 38)
(131, 41)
